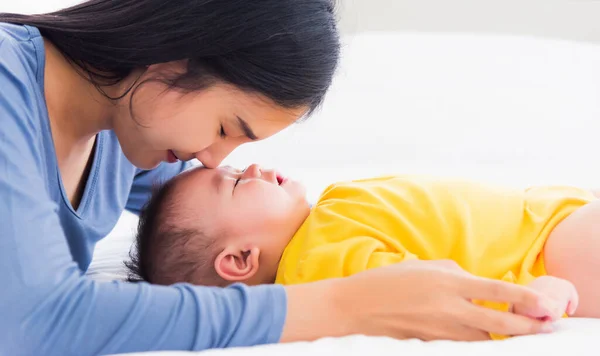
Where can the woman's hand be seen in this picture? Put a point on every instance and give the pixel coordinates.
(428, 300)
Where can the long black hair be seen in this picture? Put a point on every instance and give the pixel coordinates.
(286, 50)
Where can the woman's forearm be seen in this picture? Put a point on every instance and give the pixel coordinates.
(317, 310)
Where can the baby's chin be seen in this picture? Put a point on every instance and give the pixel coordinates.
(295, 189)
(305, 204)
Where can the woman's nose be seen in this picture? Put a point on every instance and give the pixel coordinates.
(207, 162)
(211, 157)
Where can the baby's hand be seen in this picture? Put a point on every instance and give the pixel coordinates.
(562, 295)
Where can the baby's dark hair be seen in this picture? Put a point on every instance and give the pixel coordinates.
(166, 251)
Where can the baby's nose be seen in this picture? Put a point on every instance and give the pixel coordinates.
(253, 171)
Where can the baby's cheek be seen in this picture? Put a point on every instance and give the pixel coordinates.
(261, 220)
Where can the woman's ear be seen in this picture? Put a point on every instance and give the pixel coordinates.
(235, 265)
(169, 67)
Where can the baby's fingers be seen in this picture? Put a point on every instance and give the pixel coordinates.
(503, 323)
(573, 303)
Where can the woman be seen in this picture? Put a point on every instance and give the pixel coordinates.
(91, 92)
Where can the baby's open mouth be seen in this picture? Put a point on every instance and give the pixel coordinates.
(280, 179)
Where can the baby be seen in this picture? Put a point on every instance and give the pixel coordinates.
(220, 226)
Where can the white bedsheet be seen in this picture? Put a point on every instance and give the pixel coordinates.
(573, 337)
(511, 110)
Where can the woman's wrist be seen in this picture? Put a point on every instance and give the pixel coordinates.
(317, 310)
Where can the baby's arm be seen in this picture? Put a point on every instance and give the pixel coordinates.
(562, 293)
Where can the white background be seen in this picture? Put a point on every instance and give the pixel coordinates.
(567, 19)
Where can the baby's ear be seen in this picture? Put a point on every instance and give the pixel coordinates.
(236, 265)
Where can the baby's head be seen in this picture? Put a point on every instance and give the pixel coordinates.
(218, 226)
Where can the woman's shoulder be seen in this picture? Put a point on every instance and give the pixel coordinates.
(22, 60)
(17, 33)
(19, 39)
(21, 52)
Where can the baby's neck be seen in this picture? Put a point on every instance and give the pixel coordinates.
(268, 275)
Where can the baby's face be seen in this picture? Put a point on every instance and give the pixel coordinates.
(255, 205)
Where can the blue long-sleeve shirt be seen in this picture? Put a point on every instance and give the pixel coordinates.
(47, 305)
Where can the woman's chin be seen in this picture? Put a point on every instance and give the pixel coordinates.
(144, 162)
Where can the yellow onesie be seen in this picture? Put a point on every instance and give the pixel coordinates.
(490, 231)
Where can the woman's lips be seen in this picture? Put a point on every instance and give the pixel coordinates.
(171, 157)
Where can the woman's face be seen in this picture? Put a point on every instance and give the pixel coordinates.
(208, 125)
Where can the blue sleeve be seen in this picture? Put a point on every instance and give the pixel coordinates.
(47, 305)
(146, 180)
